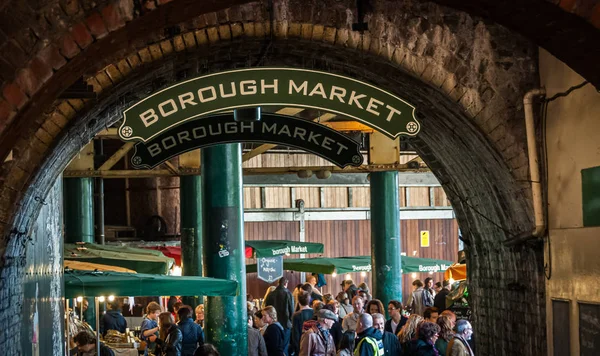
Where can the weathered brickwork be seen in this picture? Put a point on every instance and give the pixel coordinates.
(466, 76)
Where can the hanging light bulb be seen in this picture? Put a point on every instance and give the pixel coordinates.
(348, 276)
(111, 298)
(333, 275)
(363, 274)
(79, 299)
(413, 275)
(176, 271)
(101, 299)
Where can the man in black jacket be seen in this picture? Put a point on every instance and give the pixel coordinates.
(440, 298)
(283, 302)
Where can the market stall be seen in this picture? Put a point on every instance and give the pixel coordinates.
(255, 248)
(86, 266)
(137, 259)
(100, 285)
(329, 265)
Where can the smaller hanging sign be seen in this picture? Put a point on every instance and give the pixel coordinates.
(424, 238)
(270, 269)
(290, 131)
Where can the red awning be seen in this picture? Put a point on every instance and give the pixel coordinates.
(170, 251)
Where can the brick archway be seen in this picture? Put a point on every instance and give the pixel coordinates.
(471, 122)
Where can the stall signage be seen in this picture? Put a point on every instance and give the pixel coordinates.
(265, 86)
(270, 269)
(425, 238)
(289, 249)
(271, 128)
(364, 268)
(433, 268)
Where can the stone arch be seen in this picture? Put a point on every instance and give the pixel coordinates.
(456, 143)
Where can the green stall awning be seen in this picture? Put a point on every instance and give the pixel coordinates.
(94, 284)
(270, 248)
(328, 265)
(137, 259)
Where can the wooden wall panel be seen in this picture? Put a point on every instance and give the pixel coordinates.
(310, 195)
(352, 238)
(402, 194)
(335, 197)
(361, 197)
(252, 198)
(418, 196)
(277, 197)
(440, 198)
(285, 160)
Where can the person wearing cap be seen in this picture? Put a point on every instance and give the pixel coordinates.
(317, 341)
(350, 288)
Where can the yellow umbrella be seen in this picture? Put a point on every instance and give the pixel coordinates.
(86, 266)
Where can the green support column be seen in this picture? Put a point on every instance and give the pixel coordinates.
(78, 218)
(79, 211)
(385, 237)
(190, 196)
(223, 245)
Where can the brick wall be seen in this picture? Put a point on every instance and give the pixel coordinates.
(466, 76)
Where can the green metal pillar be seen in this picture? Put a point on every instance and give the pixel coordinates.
(223, 245)
(190, 196)
(385, 237)
(78, 208)
(79, 211)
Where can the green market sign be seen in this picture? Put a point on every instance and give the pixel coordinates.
(271, 128)
(265, 86)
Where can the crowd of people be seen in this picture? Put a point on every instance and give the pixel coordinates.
(304, 322)
(163, 333)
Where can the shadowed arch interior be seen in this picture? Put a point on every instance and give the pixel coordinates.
(489, 203)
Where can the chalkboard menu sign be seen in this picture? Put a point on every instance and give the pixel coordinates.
(561, 328)
(270, 269)
(589, 329)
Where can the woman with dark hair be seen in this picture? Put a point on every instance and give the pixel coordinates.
(347, 344)
(425, 345)
(446, 334)
(192, 334)
(374, 306)
(169, 342)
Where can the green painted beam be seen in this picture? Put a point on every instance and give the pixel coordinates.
(223, 245)
(79, 209)
(385, 237)
(190, 195)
